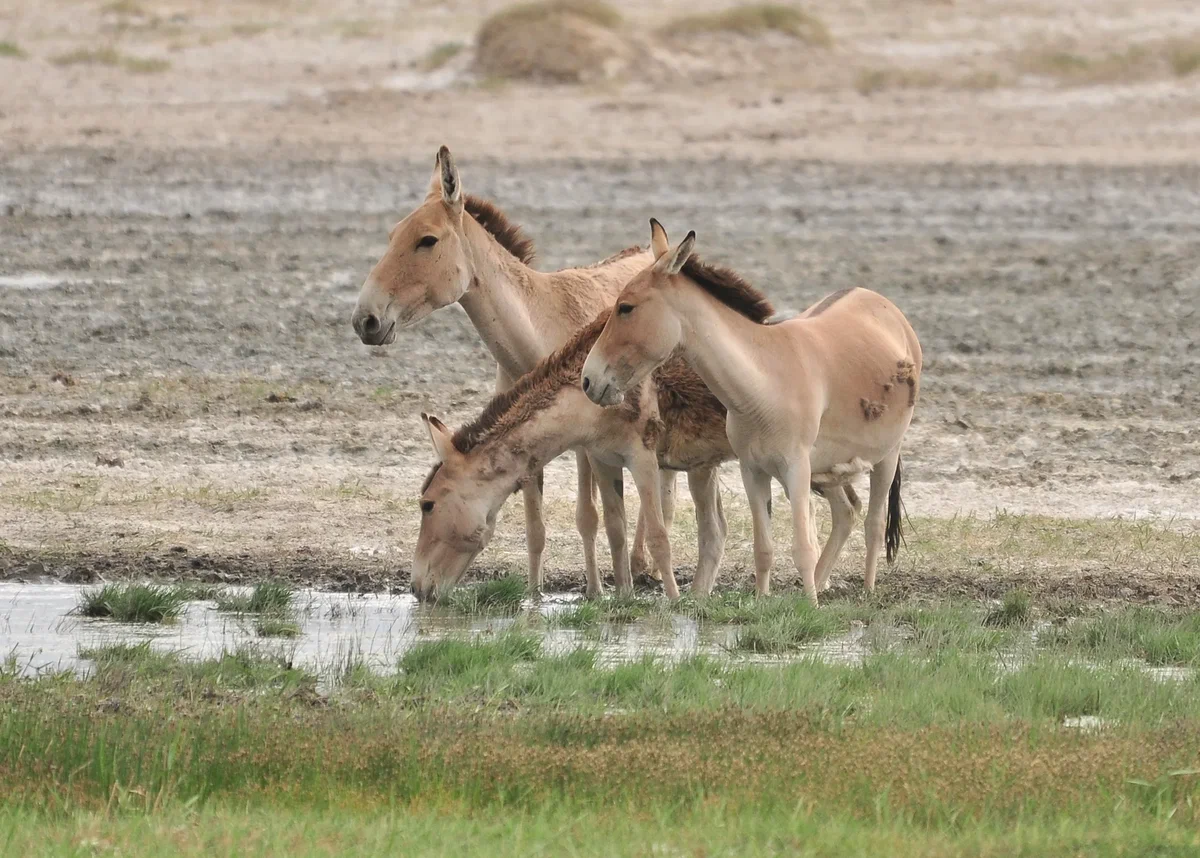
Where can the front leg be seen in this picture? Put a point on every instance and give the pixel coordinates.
(710, 527)
(612, 497)
(758, 494)
(588, 522)
(666, 481)
(804, 546)
(645, 476)
(531, 494)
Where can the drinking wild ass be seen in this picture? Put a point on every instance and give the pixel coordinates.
(458, 248)
(820, 398)
(672, 421)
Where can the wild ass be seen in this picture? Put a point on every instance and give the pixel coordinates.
(820, 398)
(672, 421)
(458, 248)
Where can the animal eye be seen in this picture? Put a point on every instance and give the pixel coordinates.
(624, 309)
(426, 506)
(427, 241)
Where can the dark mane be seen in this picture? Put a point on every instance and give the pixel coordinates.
(508, 234)
(617, 257)
(730, 289)
(533, 391)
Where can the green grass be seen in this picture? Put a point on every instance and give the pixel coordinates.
(440, 55)
(11, 50)
(132, 603)
(109, 56)
(1157, 637)
(267, 597)
(1183, 56)
(277, 626)
(753, 20)
(499, 595)
(1014, 610)
(789, 627)
(954, 735)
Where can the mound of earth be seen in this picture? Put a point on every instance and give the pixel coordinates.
(554, 42)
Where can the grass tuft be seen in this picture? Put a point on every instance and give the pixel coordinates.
(1014, 610)
(132, 603)
(111, 57)
(267, 597)
(441, 55)
(755, 20)
(11, 50)
(451, 657)
(787, 626)
(1183, 56)
(497, 596)
(277, 626)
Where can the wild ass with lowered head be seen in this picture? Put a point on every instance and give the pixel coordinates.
(820, 398)
(458, 248)
(671, 420)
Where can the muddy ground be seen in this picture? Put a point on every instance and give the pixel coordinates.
(182, 394)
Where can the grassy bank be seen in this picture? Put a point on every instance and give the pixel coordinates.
(962, 730)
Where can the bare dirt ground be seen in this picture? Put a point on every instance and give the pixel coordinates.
(181, 244)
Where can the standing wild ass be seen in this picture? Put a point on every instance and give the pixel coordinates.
(820, 398)
(672, 421)
(458, 248)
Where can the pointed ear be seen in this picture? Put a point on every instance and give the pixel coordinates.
(446, 182)
(671, 263)
(442, 438)
(658, 239)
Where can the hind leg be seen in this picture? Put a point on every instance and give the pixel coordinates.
(841, 511)
(587, 520)
(612, 496)
(881, 483)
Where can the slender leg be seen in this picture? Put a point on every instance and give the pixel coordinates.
(842, 513)
(645, 477)
(612, 497)
(637, 563)
(531, 494)
(881, 484)
(804, 548)
(587, 520)
(710, 526)
(667, 493)
(758, 493)
(535, 529)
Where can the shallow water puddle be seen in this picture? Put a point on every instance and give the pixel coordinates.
(40, 631)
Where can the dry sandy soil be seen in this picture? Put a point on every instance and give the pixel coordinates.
(185, 221)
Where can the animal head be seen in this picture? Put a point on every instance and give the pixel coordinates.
(425, 266)
(643, 330)
(459, 505)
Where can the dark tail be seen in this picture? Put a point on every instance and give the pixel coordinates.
(893, 537)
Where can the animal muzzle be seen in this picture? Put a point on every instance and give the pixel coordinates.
(371, 327)
(599, 385)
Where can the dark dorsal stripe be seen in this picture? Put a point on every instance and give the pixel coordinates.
(730, 289)
(510, 235)
(535, 388)
(829, 300)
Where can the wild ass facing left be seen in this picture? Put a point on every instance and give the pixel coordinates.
(820, 398)
(458, 248)
(672, 421)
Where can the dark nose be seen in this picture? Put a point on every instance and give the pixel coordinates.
(587, 382)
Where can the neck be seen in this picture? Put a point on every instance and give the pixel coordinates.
(724, 347)
(540, 432)
(501, 302)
